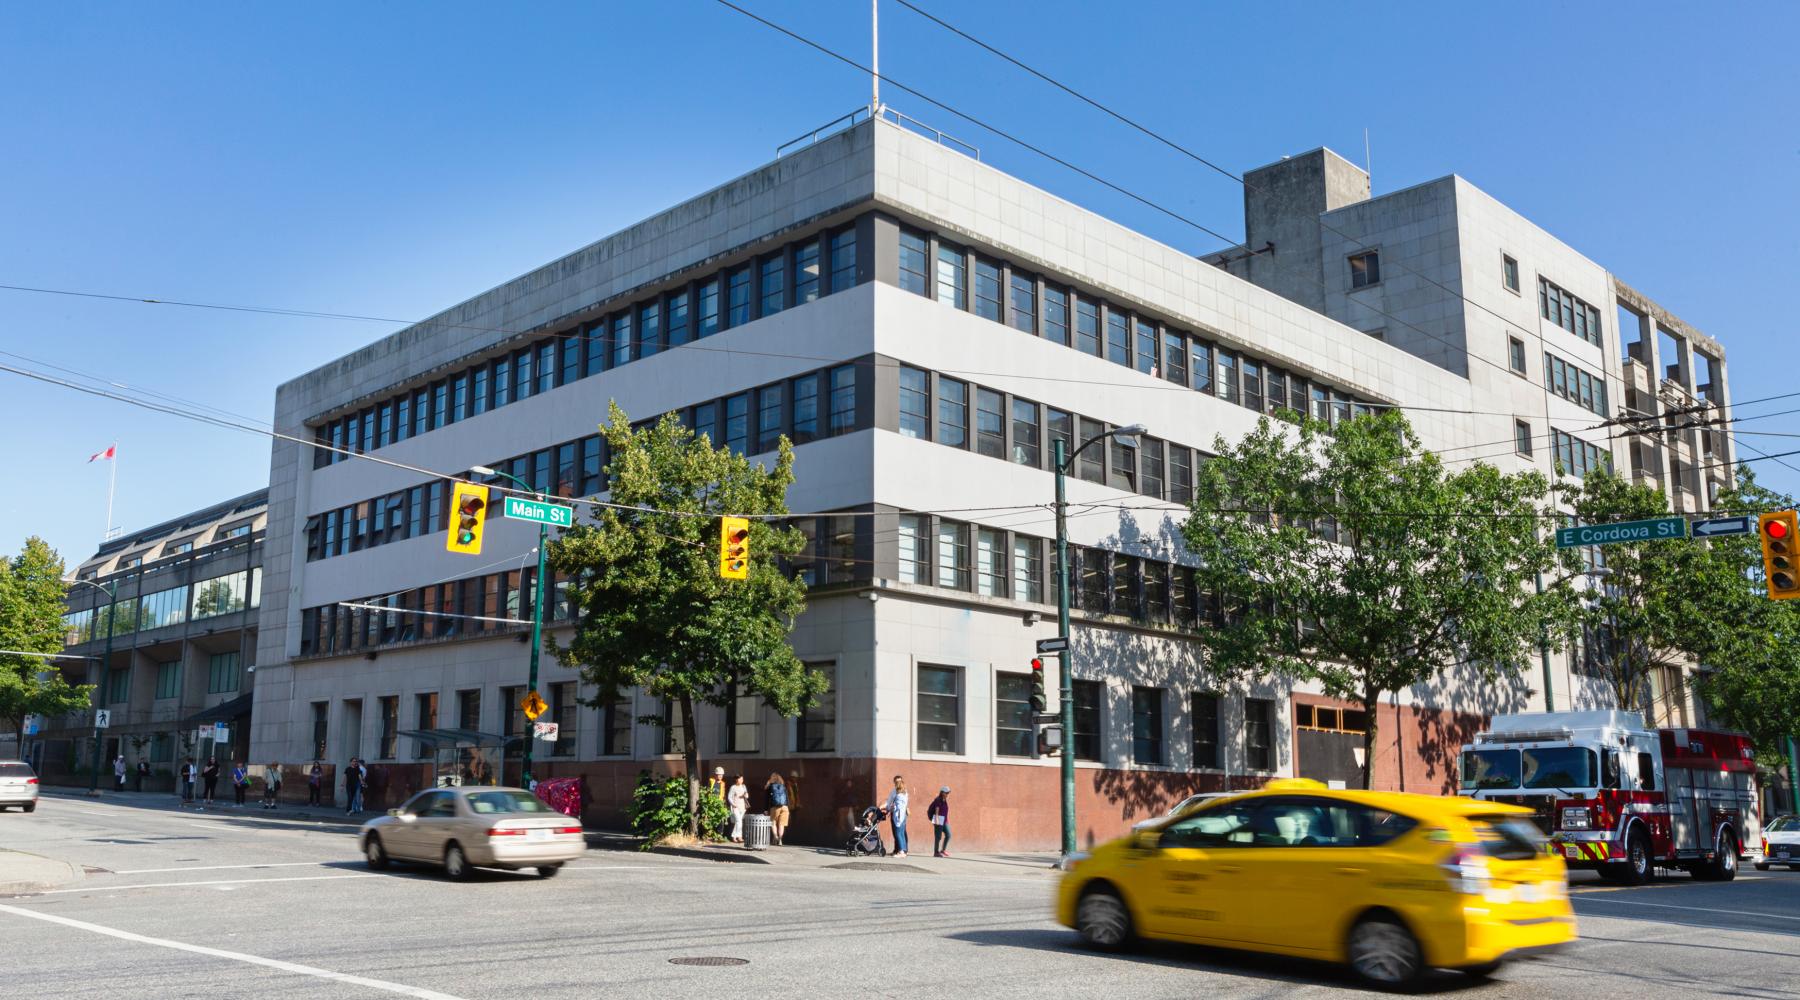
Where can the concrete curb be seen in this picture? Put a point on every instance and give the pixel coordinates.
(22, 873)
(741, 857)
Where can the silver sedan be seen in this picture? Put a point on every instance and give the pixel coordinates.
(477, 827)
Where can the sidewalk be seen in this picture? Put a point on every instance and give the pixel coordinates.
(21, 872)
(789, 856)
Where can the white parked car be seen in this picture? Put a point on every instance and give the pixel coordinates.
(474, 826)
(1781, 843)
(18, 785)
(1180, 807)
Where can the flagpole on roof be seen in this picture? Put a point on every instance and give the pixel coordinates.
(112, 482)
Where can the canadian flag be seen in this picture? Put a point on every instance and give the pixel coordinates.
(110, 452)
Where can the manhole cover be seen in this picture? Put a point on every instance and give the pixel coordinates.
(709, 960)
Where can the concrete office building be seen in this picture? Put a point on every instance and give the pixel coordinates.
(922, 326)
(1549, 341)
(183, 646)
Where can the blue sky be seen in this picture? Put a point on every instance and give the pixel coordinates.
(393, 159)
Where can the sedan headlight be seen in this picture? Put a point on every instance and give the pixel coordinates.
(1576, 818)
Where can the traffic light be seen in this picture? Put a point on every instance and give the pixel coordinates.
(1780, 532)
(1039, 700)
(468, 506)
(734, 547)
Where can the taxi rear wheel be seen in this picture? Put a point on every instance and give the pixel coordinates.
(1384, 953)
(1103, 920)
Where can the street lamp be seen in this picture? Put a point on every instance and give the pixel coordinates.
(111, 590)
(537, 610)
(1061, 462)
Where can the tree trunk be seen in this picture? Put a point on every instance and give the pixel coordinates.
(1371, 700)
(691, 753)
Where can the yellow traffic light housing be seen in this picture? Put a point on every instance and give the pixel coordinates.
(1780, 532)
(734, 548)
(468, 516)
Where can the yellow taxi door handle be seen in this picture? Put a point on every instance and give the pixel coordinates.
(1352, 871)
(1229, 869)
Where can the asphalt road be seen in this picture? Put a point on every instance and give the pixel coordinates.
(244, 905)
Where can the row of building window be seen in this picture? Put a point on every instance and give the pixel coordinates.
(1578, 386)
(169, 606)
(790, 276)
(939, 725)
(805, 408)
(966, 280)
(479, 605)
(1019, 430)
(1569, 311)
(815, 729)
(1577, 457)
(224, 675)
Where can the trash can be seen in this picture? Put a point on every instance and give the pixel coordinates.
(758, 831)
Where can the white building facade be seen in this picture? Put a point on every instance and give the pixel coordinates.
(922, 326)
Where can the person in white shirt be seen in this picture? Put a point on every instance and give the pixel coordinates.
(738, 801)
(896, 810)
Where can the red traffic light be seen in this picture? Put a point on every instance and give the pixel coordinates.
(1037, 665)
(1776, 529)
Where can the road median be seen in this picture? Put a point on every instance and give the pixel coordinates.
(22, 873)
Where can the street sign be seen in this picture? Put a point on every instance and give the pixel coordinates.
(527, 509)
(221, 733)
(1654, 529)
(1719, 526)
(1057, 645)
(33, 724)
(533, 705)
(545, 731)
(102, 718)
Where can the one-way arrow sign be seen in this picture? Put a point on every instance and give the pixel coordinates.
(1722, 526)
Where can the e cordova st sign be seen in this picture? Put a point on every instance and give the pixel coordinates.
(1655, 529)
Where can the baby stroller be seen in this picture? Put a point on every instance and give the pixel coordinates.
(865, 835)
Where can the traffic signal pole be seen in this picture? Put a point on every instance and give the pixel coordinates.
(1066, 689)
(537, 643)
(112, 601)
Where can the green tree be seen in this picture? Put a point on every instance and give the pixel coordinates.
(1653, 603)
(31, 610)
(1355, 558)
(651, 609)
(1750, 646)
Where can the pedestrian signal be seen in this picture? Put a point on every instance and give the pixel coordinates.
(469, 515)
(734, 548)
(1781, 566)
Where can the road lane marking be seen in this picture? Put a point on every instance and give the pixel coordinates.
(236, 956)
(209, 868)
(1702, 909)
(223, 881)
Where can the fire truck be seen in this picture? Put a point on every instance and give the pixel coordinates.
(1618, 797)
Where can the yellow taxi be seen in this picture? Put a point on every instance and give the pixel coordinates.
(1390, 884)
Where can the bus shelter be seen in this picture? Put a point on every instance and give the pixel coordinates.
(462, 756)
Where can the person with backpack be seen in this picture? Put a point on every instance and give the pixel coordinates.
(240, 782)
(776, 796)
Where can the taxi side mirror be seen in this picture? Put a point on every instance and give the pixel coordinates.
(1146, 840)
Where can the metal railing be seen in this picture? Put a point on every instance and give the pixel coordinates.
(887, 114)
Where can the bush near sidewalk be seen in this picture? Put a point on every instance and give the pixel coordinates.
(659, 811)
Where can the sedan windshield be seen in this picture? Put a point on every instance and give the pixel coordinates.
(486, 803)
(1559, 767)
(1490, 769)
(1783, 824)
